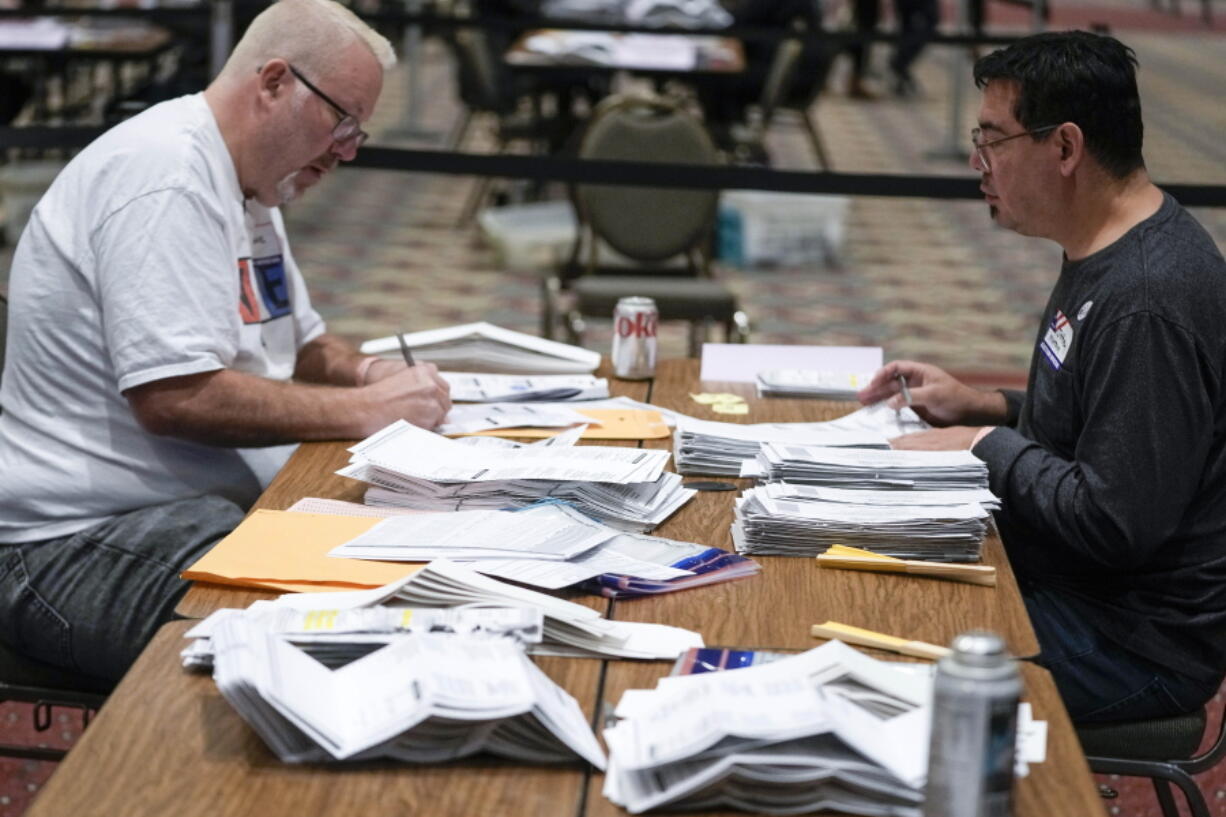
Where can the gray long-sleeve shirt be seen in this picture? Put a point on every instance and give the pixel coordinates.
(1114, 479)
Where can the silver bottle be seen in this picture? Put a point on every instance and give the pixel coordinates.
(974, 730)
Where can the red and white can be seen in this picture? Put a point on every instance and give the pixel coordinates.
(635, 320)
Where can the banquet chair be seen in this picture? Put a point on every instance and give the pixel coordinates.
(1162, 749)
(664, 233)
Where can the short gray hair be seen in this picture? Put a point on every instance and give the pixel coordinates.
(307, 33)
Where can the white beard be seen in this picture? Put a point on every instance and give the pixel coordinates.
(288, 189)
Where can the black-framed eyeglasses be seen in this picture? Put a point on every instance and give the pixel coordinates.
(347, 129)
(979, 146)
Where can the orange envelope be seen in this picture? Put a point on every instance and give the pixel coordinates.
(615, 424)
(287, 550)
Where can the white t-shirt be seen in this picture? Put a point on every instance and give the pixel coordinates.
(142, 262)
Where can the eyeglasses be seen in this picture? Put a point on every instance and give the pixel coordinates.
(979, 146)
(347, 129)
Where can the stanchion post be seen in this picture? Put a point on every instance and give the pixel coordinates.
(410, 126)
(954, 147)
(221, 34)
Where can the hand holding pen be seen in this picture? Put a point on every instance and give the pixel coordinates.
(404, 351)
(934, 394)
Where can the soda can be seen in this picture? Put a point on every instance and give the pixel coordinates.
(974, 730)
(635, 320)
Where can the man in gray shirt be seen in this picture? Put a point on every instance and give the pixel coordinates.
(1112, 465)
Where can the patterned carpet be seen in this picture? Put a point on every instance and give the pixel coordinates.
(932, 280)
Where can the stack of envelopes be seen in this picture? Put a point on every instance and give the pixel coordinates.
(826, 729)
(421, 698)
(413, 468)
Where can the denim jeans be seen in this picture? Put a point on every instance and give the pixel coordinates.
(89, 602)
(1100, 681)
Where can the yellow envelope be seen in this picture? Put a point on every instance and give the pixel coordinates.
(615, 424)
(287, 550)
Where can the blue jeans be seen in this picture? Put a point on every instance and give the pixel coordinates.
(88, 603)
(1098, 680)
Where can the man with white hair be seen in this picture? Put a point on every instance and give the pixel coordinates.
(163, 352)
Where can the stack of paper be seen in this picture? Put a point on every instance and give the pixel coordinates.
(625, 487)
(811, 383)
(709, 447)
(569, 629)
(549, 546)
(495, 388)
(483, 347)
(336, 637)
(422, 698)
(486, 416)
(773, 519)
(826, 729)
(862, 468)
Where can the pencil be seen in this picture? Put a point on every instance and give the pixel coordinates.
(404, 350)
(906, 393)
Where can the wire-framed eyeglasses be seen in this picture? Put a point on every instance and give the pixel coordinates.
(979, 146)
(347, 130)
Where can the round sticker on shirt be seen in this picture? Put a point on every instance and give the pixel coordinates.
(1085, 310)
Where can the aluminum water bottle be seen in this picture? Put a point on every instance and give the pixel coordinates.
(974, 730)
(635, 321)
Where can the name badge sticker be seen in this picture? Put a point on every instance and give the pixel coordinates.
(1057, 341)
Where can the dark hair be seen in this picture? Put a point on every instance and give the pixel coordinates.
(1079, 77)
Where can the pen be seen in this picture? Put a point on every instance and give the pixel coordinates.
(902, 381)
(408, 356)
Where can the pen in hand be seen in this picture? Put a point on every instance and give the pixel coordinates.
(408, 356)
(902, 381)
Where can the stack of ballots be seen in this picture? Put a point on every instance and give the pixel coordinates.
(336, 637)
(567, 628)
(729, 449)
(863, 468)
(421, 698)
(413, 468)
(785, 519)
(826, 729)
(548, 545)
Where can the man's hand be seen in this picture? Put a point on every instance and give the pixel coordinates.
(954, 438)
(935, 395)
(416, 394)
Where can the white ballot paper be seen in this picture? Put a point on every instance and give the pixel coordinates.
(711, 447)
(552, 532)
(497, 388)
(826, 729)
(821, 385)
(773, 520)
(569, 629)
(419, 698)
(336, 635)
(408, 467)
(485, 416)
(405, 450)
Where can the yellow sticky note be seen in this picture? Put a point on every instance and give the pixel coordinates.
(730, 408)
